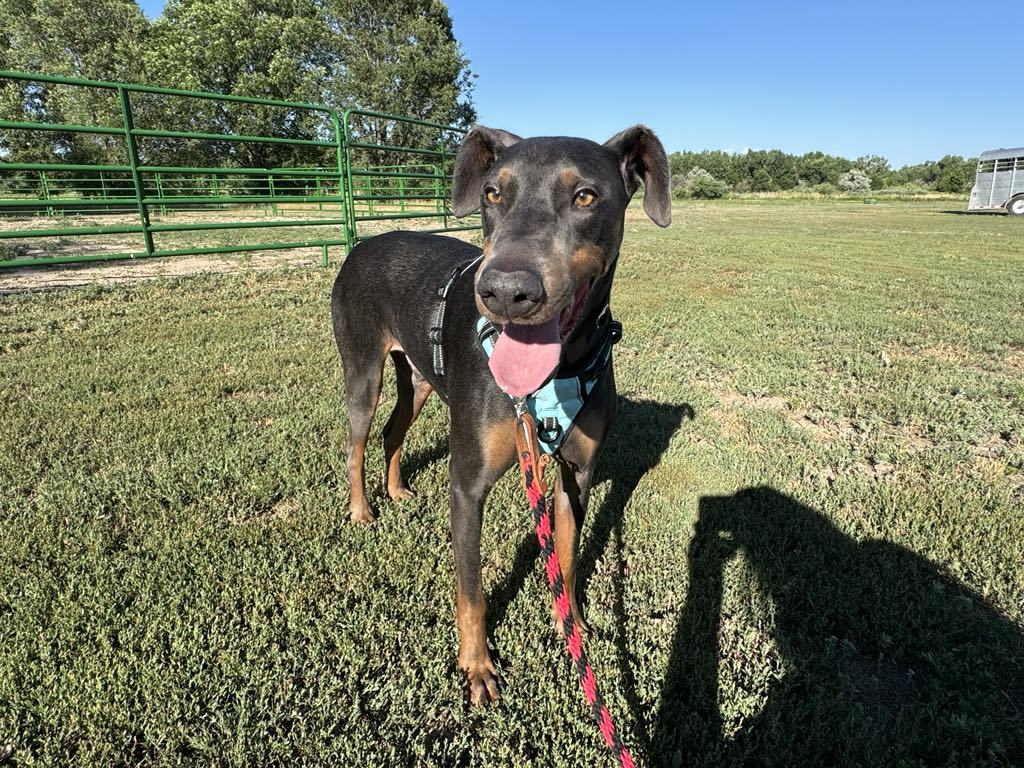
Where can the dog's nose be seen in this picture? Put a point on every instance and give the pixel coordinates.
(510, 294)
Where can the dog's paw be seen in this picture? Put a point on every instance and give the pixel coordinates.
(484, 682)
(585, 629)
(401, 492)
(363, 514)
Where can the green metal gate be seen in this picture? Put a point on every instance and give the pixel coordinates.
(336, 178)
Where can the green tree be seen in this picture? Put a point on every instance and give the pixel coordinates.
(955, 174)
(393, 56)
(401, 57)
(273, 49)
(98, 39)
(876, 167)
(762, 180)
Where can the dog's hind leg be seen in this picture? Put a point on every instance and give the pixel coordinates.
(413, 391)
(363, 374)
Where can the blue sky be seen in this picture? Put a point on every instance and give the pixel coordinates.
(905, 79)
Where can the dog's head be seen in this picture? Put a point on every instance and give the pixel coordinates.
(553, 212)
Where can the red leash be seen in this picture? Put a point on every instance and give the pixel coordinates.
(532, 469)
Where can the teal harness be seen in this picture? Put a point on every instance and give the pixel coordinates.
(556, 405)
(559, 401)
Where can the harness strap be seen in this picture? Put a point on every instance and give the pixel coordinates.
(560, 400)
(436, 333)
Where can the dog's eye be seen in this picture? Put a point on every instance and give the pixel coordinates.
(493, 196)
(584, 198)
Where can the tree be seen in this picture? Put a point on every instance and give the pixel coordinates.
(272, 49)
(394, 56)
(855, 180)
(702, 185)
(99, 39)
(762, 180)
(955, 174)
(401, 57)
(875, 166)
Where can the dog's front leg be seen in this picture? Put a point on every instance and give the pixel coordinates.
(473, 472)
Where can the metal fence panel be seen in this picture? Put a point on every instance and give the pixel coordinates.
(342, 180)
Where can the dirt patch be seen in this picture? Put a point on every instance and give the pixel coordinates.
(914, 440)
(996, 445)
(280, 510)
(823, 429)
(43, 278)
(123, 272)
(758, 402)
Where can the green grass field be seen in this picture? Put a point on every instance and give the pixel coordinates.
(806, 546)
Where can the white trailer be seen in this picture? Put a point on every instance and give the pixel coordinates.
(1000, 182)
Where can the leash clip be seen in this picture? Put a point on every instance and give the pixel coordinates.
(531, 460)
(520, 405)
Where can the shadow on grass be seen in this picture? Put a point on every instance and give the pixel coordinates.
(986, 212)
(887, 661)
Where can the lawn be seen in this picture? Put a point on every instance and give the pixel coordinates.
(805, 546)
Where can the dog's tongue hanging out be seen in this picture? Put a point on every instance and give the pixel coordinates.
(525, 356)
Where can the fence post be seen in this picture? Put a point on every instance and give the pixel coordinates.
(46, 192)
(444, 172)
(273, 196)
(160, 192)
(437, 190)
(345, 178)
(133, 164)
(401, 191)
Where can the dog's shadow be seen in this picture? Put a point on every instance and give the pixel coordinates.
(884, 659)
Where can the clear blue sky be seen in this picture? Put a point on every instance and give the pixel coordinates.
(910, 80)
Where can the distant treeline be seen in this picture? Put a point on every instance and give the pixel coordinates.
(393, 56)
(712, 173)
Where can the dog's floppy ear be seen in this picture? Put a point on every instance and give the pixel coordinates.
(641, 156)
(478, 152)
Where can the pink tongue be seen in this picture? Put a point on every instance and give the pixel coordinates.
(525, 356)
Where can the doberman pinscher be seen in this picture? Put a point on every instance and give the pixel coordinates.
(553, 214)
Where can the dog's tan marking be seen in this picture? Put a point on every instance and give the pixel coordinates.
(587, 261)
(498, 445)
(569, 176)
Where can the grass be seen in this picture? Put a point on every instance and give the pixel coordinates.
(804, 547)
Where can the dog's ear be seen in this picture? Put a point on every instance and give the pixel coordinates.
(478, 152)
(641, 156)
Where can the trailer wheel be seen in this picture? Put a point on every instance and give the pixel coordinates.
(1016, 206)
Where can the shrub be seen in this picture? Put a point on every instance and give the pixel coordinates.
(855, 180)
(700, 184)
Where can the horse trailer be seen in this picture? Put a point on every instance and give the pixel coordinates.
(1000, 182)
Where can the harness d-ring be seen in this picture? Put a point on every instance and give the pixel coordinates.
(550, 430)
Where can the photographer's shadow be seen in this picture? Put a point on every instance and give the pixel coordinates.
(886, 660)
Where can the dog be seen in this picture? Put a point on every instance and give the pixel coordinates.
(553, 213)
